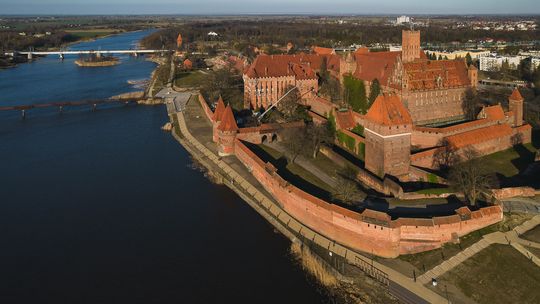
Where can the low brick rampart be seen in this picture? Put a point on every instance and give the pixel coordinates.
(369, 231)
(513, 192)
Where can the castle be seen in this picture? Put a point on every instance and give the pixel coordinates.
(417, 94)
(399, 138)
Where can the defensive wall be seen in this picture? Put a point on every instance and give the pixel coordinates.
(368, 231)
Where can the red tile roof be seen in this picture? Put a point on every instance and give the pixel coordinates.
(345, 120)
(323, 51)
(433, 74)
(388, 110)
(378, 65)
(301, 66)
(220, 109)
(479, 135)
(516, 95)
(228, 123)
(495, 112)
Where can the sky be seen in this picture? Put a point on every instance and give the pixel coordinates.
(268, 7)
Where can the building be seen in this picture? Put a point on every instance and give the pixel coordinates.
(461, 54)
(388, 128)
(269, 77)
(403, 20)
(432, 91)
(493, 63)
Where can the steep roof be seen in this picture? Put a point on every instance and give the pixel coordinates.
(479, 135)
(301, 66)
(378, 65)
(388, 110)
(433, 74)
(220, 109)
(323, 51)
(495, 112)
(228, 123)
(345, 119)
(516, 95)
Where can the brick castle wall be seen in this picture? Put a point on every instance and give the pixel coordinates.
(360, 231)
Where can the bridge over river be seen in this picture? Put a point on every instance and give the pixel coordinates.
(61, 54)
(62, 105)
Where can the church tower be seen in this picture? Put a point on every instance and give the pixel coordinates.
(410, 45)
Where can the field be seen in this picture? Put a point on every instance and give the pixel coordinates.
(497, 274)
(429, 259)
(510, 162)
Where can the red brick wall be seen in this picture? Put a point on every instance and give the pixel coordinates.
(206, 108)
(348, 228)
(434, 105)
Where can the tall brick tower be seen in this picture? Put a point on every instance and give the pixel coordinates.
(410, 45)
(218, 115)
(227, 131)
(472, 71)
(516, 106)
(388, 137)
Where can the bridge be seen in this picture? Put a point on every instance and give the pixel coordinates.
(61, 105)
(61, 54)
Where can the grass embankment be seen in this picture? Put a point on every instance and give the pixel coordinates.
(313, 265)
(532, 235)
(429, 259)
(497, 274)
(293, 173)
(510, 162)
(190, 79)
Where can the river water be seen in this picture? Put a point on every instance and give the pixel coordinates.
(104, 207)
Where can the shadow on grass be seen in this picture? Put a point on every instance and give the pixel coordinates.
(284, 170)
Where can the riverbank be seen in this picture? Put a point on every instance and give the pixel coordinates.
(232, 173)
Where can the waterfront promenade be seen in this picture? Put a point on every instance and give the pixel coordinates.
(197, 139)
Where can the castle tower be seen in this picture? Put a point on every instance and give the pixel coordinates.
(515, 102)
(218, 115)
(226, 132)
(410, 45)
(473, 75)
(388, 130)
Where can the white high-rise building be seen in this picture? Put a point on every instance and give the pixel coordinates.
(403, 19)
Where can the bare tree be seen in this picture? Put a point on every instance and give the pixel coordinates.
(446, 156)
(316, 135)
(470, 104)
(294, 142)
(346, 191)
(289, 104)
(469, 176)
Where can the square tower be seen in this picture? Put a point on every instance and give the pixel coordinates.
(515, 102)
(410, 45)
(388, 137)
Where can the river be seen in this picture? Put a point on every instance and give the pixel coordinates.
(104, 207)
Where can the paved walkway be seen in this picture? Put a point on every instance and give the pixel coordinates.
(290, 227)
(508, 238)
(521, 204)
(308, 165)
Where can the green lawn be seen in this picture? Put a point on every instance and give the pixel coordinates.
(510, 162)
(497, 274)
(436, 191)
(189, 79)
(430, 259)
